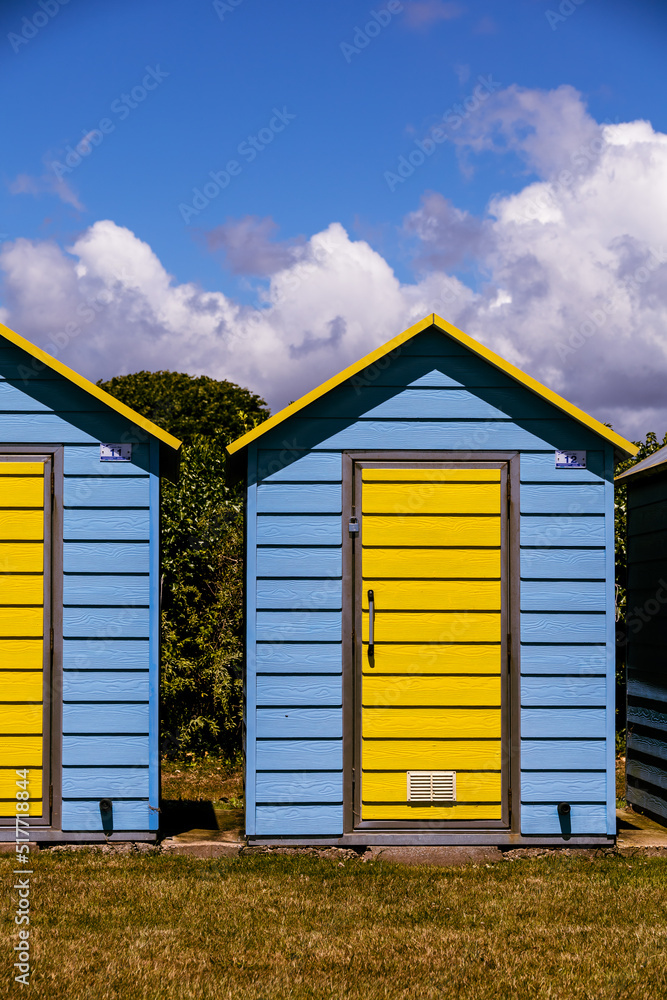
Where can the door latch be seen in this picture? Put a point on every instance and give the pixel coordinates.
(353, 527)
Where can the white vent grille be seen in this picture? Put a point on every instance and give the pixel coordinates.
(431, 786)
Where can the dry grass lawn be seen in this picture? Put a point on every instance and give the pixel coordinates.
(285, 926)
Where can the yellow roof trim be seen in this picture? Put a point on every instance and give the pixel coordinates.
(473, 345)
(90, 388)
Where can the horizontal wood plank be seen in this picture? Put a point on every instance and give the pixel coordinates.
(106, 491)
(105, 751)
(655, 690)
(106, 590)
(299, 754)
(431, 755)
(21, 525)
(377, 529)
(563, 659)
(433, 595)
(275, 529)
(572, 498)
(653, 746)
(20, 751)
(584, 820)
(298, 786)
(562, 530)
(21, 491)
(422, 813)
(571, 595)
(106, 525)
(409, 475)
(652, 517)
(126, 815)
(20, 685)
(649, 717)
(563, 564)
(563, 723)
(86, 717)
(278, 723)
(437, 659)
(655, 804)
(564, 786)
(562, 754)
(103, 623)
(307, 498)
(105, 653)
(114, 685)
(302, 690)
(295, 562)
(106, 557)
(422, 564)
(429, 403)
(431, 498)
(651, 773)
(306, 594)
(105, 782)
(22, 589)
(299, 657)
(9, 786)
(565, 691)
(430, 723)
(21, 557)
(540, 466)
(286, 466)
(20, 720)
(429, 691)
(84, 460)
(540, 626)
(290, 626)
(434, 626)
(299, 820)
(21, 622)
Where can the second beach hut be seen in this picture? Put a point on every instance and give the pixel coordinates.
(430, 595)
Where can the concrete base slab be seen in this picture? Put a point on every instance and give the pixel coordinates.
(201, 848)
(444, 857)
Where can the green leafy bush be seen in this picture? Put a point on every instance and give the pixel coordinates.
(201, 558)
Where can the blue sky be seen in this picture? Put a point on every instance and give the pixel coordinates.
(202, 78)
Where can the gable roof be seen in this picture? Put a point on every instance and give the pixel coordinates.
(623, 447)
(169, 445)
(654, 463)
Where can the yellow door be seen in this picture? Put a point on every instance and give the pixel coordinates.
(431, 651)
(23, 600)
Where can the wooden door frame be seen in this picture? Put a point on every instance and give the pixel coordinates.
(51, 817)
(510, 650)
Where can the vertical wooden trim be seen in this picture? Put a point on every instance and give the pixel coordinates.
(56, 714)
(154, 640)
(350, 763)
(250, 714)
(610, 565)
(514, 660)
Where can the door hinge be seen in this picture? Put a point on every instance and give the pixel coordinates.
(50, 796)
(51, 639)
(509, 799)
(509, 499)
(53, 482)
(509, 649)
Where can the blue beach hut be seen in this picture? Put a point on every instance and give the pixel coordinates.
(79, 603)
(430, 594)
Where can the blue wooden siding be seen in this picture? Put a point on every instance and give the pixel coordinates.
(431, 394)
(110, 579)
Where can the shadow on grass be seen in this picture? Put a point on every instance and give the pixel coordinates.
(178, 816)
